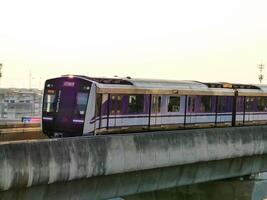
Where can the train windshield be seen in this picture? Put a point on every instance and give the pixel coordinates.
(80, 107)
(49, 100)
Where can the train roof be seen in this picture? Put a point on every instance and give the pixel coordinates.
(261, 91)
(155, 86)
(130, 85)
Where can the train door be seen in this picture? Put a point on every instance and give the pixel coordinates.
(155, 118)
(191, 107)
(240, 110)
(221, 109)
(115, 118)
(98, 111)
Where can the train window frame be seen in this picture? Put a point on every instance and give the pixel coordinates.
(136, 103)
(49, 101)
(173, 105)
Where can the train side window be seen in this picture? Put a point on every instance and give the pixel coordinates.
(221, 104)
(251, 104)
(136, 104)
(156, 104)
(81, 104)
(206, 104)
(240, 104)
(49, 100)
(262, 103)
(174, 104)
(225, 104)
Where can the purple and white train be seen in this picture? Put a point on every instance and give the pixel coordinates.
(76, 105)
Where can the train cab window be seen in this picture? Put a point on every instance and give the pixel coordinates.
(156, 104)
(136, 104)
(206, 104)
(174, 104)
(49, 100)
(81, 104)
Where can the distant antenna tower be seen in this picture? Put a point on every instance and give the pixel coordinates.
(261, 68)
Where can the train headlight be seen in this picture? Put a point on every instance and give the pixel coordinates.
(78, 121)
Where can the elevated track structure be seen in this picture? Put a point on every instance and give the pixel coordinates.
(101, 167)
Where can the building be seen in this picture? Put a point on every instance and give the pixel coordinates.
(17, 103)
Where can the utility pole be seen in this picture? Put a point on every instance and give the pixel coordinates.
(30, 79)
(261, 68)
(1, 66)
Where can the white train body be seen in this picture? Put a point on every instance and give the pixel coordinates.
(79, 105)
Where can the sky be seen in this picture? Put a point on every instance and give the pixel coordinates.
(207, 40)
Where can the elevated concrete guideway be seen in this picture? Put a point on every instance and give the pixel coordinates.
(169, 158)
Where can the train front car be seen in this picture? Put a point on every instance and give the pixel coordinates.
(65, 106)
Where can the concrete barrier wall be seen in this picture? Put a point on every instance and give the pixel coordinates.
(138, 182)
(49, 161)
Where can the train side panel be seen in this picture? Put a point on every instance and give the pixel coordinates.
(165, 111)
